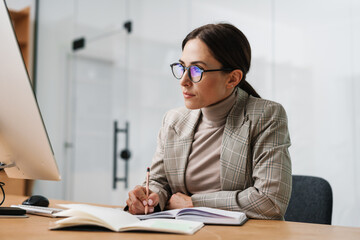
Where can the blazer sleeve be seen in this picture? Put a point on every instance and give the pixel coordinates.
(271, 171)
(158, 182)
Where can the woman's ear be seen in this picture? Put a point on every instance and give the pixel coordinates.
(234, 78)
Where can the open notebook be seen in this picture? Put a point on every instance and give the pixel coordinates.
(118, 220)
(201, 214)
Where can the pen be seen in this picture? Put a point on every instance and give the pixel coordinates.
(147, 189)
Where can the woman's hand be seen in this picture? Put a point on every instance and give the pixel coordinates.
(137, 200)
(179, 200)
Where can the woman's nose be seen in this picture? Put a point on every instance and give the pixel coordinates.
(185, 80)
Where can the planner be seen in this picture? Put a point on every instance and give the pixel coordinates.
(115, 219)
(201, 214)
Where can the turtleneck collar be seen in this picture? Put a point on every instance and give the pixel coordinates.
(215, 115)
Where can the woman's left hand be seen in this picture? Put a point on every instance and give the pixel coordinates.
(179, 200)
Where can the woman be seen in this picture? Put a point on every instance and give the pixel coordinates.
(228, 148)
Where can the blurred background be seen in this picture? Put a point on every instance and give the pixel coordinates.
(306, 56)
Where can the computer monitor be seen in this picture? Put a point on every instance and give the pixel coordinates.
(25, 149)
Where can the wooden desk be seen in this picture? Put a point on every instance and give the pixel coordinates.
(36, 227)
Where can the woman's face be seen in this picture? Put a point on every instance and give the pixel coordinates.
(213, 87)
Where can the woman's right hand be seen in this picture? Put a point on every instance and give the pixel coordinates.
(137, 200)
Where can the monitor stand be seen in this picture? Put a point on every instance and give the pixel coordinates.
(9, 212)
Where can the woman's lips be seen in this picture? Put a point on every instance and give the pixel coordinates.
(188, 95)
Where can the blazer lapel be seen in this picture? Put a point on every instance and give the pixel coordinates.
(178, 145)
(235, 147)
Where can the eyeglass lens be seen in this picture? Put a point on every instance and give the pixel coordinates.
(178, 70)
(195, 72)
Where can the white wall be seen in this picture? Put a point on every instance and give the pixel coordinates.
(316, 77)
(305, 56)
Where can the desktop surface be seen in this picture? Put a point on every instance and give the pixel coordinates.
(36, 227)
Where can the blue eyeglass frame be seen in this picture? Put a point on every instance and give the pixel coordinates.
(201, 70)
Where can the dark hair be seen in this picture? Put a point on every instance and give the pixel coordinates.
(229, 46)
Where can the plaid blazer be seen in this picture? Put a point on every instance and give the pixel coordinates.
(255, 166)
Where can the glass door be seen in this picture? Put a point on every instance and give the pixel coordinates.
(119, 76)
(97, 97)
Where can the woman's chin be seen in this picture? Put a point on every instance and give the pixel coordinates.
(191, 105)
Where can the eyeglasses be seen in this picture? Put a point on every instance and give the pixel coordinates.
(195, 73)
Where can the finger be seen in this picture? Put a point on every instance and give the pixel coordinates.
(133, 198)
(129, 203)
(151, 209)
(153, 199)
(136, 207)
(140, 193)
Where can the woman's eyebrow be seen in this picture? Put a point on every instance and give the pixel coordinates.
(194, 62)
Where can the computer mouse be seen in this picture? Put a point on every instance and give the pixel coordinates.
(37, 200)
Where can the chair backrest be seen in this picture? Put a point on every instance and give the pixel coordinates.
(311, 200)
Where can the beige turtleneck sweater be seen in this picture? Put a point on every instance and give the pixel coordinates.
(203, 169)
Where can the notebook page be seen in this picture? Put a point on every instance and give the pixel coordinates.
(162, 214)
(114, 217)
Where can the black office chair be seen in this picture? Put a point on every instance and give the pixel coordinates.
(311, 200)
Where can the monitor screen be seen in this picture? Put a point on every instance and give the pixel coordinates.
(25, 149)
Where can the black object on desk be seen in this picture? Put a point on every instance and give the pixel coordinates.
(37, 200)
(11, 211)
